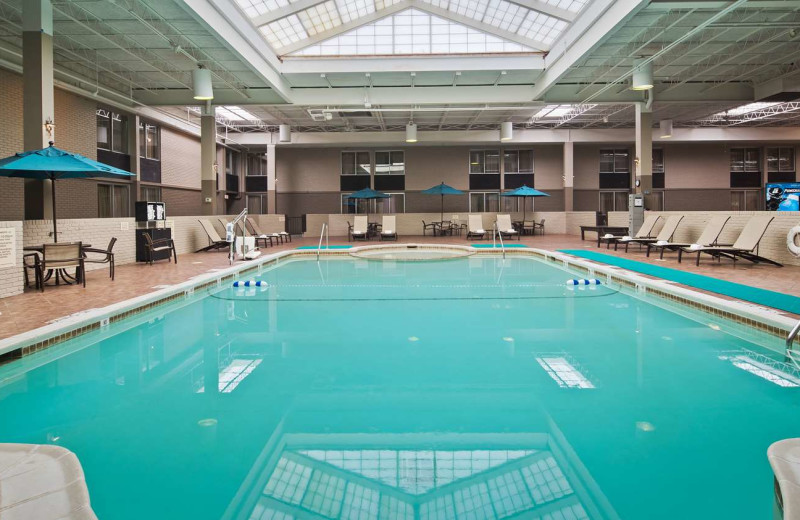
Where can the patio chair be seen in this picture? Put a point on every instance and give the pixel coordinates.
(280, 236)
(31, 262)
(505, 228)
(644, 232)
(538, 226)
(475, 227)
(260, 235)
(214, 240)
(107, 258)
(389, 228)
(426, 226)
(746, 246)
(665, 235)
(62, 256)
(360, 228)
(155, 246)
(708, 237)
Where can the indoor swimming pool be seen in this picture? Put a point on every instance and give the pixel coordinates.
(470, 388)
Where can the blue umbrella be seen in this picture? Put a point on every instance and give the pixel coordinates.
(52, 163)
(525, 192)
(368, 194)
(442, 189)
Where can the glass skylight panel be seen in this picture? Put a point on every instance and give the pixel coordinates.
(564, 373)
(353, 9)
(475, 9)
(542, 28)
(505, 15)
(234, 113)
(285, 31)
(552, 112)
(569, 5)
(319, 18)
(256, 7)
(744, 109)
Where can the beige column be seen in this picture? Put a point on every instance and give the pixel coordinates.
(272, 181)
(643, 162)
(135, 162)
(208, 157)
(569, 175)
(37, 99)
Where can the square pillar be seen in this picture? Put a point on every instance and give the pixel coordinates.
(135, 159)
(272, 196)
(208, 157)
(569, 175)
(643, 162)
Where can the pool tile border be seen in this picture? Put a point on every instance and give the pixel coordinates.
(763, 319)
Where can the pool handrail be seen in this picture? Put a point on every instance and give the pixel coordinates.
(496, 233)
(792, 335)
(324, 232)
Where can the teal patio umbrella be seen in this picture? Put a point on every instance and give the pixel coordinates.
(442, 189)
(525, 192)
(52, 163)
(367, 194)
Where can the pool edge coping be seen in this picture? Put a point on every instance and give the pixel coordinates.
(772, 321)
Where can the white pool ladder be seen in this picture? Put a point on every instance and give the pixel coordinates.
(232, 225)
(495, 234)
(324, 233)
(790, 338)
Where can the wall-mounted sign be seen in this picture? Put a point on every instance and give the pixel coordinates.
(783, 196)
(8, 247)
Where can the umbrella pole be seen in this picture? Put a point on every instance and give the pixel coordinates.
(441, 216)
(55, 221)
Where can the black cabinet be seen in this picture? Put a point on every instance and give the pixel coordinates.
(155, 234)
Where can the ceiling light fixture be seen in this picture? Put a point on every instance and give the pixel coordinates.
(201, 84)
(285, 134)
(642, 75)
(506, 131)
(411, 132)
(666, 128)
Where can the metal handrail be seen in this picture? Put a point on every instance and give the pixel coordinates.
(792, 335)
(500, 236)
(239, 217)
(324, 232)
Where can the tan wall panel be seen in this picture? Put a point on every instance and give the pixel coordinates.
(180, 159)
(12, 191)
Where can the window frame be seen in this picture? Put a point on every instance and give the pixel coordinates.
(615, 194)
(115, 120)
(614, 153)
(484, 193)
(391, 162)
(112, 187)
(759, 198)
(483, 152)
(744, 160)
(160, 192)
(662, 164)
(517, 152)
(778, 149)
(356, 163)
(393, 194)
(144, 127)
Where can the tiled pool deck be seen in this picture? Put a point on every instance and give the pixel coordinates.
(34, 309)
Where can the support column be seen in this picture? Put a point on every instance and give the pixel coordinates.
(272, 196)
(569, 175)
(644, 153)
(37, 100)
(208, 156)
(135, 162)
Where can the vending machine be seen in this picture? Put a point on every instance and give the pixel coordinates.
(635, 212)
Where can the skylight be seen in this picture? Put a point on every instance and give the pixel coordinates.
(234, 113)
(552, 112)
(412, 32)
(256, 7)
(564, 373)
(744, 109)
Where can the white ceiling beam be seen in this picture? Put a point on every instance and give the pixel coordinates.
(309, 65)
(480, 26)
(550, 10)
(336, 31)
(413, 96)
(670, 5)
(595, 25)
(282, 12)
(225, 19)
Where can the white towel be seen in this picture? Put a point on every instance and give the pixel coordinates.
(387, 232)
(662, 242)
(480, 231)
(695, 246)
(608, 235)
(626, 238)
(511, 230)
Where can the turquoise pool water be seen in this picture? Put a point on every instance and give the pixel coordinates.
(471, 388)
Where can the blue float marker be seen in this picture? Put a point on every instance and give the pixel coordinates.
(250, 283)
(583, 281)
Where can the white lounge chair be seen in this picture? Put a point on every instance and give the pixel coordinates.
(389, 228)
(214, 240)
(475, 227)
(664, 236)
(644, 232)
(707, 238)
(746, 246)
(505, 228)
(359, 229)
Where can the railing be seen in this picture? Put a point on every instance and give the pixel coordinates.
(231, 228)
(494, 241)
(792, 335)
(323, 234)
(296, 225)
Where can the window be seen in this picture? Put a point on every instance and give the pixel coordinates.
(390, 163)
(515, 204)
(484, 161)
(256, 164)
(613, 201)
(656, 201)
(112, 131)
(746, 200)
(658, 160)
(151, 193)
(257, 204)
(518, 161)
(357, 206)
(231, 162)
(780, 165)
(614, 161)
(113, 201)
(396, 203)
(745, 160)
(149, 141)
(482, 201)
(355, 163)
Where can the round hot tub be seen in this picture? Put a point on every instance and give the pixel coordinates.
(412, 252)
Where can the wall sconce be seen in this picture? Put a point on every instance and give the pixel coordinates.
(49, 127)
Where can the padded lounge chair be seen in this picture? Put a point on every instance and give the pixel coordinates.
(505, 228)
(746, 246)
(260, 235)
(214, 240)
(475, 227)
(389, 228)
(62, 256)
(644, 232)
(707, 238)
(665, 235)
(359, 229)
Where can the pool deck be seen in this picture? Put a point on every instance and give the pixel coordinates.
(34, 309)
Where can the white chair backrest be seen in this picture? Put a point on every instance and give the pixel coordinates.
(389, 224)
(360, 224)
(753, 231)
(210, 231)
(60, 256)
(712, 230)
(647, 226)
(504, 223)
(475, 222)
(669, 227)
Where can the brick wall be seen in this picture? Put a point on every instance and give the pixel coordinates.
(180, 159)
(182, 202)
(11, 190)
(76, 124)
(11, 278)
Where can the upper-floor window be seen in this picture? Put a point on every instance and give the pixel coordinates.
(745, 160)
(256, 164)
(390, 163)
(484, 161)
(149, 141)
(231, 162)
(355, 163)
(614, 161)
(518, 161)
(780, 159)
(658, 160)
(113, 201)
(112, 131)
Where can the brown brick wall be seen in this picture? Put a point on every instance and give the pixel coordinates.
(11, 190)
(180, 159)
(181, 202)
